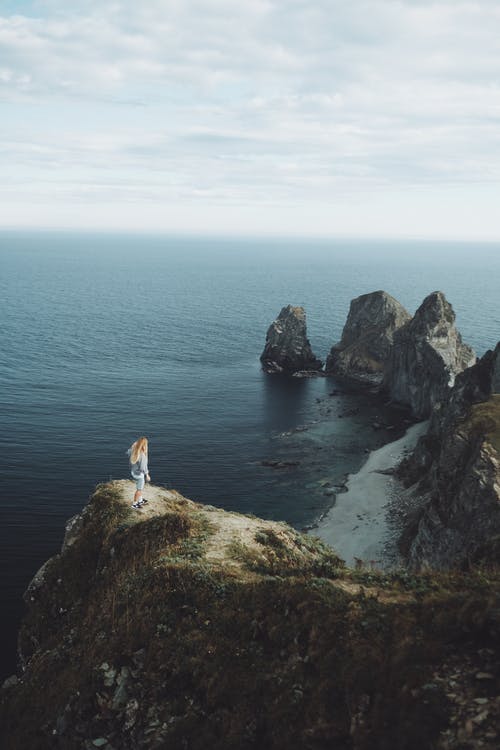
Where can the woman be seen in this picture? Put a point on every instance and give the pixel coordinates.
(138, 457)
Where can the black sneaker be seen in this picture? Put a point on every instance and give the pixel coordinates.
(136, 505)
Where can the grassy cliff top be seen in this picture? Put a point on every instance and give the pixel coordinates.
(185, 626)
(484, 418)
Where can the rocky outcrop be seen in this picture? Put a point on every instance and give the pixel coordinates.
(366, 343)
(455, 473)
(183, 626)
(427, 355)
(287, 348)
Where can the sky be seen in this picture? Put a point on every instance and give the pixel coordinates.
(360, 118)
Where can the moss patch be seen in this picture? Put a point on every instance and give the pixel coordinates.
(287, 554)
(484, 419)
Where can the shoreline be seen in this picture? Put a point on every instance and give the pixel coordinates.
(357, 526)
(317, 456)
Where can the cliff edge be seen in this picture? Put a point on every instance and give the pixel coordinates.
(184, 626)
(455, 474)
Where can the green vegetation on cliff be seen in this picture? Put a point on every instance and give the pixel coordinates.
(484, 420)
(188, 627)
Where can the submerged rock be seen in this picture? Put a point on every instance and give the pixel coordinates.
(427, 355)
(275, 463)
(287, 348)
(366, 343)
(455, 473)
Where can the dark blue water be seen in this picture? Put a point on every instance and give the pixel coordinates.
(105, 337)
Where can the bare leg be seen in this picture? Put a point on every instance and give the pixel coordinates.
(138, 495)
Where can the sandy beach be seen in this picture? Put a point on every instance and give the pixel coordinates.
(357, 525)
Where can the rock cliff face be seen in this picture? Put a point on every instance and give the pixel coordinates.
(455, 471)
(287, 348)
(426, 356)
(366, 344)
(183, 626)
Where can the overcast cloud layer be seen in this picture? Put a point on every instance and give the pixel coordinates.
(361, 117)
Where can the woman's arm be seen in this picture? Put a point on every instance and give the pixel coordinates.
(143, 466)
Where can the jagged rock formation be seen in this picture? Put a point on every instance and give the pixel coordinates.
(426, 356)
(183, 626)
(455, 473)
(287, 348)
(366, 344)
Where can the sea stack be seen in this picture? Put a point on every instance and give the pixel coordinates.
(287, 348)
(454, 475)
(427, 355)
(366, 343)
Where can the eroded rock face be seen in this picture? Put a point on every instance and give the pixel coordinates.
(456, 467)
(367, 338)
(427, 355)
(287, 348)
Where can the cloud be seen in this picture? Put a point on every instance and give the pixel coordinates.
(224, 102)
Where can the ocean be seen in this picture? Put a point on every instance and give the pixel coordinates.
(105, 337)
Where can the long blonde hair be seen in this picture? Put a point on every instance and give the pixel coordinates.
(140, 446)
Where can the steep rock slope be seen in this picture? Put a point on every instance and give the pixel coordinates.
(455, 471)
(426, 356)
(287, 348)
(366, 342)
(182, 626)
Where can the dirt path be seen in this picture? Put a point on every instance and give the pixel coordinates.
(229, 529)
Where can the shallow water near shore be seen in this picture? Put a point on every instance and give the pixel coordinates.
(107, 337)
(358, 526)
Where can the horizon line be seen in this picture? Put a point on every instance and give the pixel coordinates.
(221, 235)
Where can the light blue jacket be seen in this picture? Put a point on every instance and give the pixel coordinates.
(140, 466)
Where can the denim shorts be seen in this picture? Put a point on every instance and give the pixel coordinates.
(139, 481)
